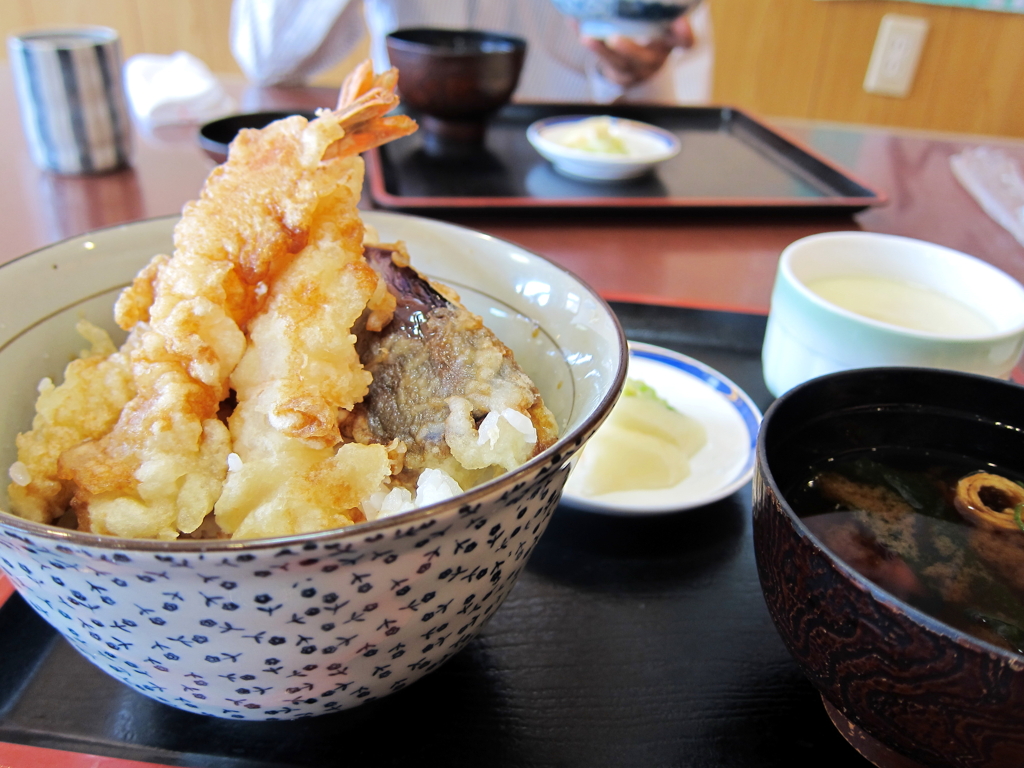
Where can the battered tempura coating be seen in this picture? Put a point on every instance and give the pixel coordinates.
(299, 373)
(445, 385)
(275, 233)
(245, 385)
(85, 406)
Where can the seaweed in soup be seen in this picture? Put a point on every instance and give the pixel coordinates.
(929, 529)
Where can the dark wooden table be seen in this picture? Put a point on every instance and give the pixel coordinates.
(626, 641)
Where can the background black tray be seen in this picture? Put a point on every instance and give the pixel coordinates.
(626, 642)
(728, 159)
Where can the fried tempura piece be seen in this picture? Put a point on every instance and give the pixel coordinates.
(285, 198)
(445, 385)
(301, 371)
(242, 364)
(85, 406)
(298, 374)
(281, 486)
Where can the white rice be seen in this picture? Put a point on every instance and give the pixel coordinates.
(490, 427)
(433, 485)
(19, 474)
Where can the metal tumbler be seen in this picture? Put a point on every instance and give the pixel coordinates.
(72, 100)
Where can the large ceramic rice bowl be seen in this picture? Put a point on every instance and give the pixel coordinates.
(299, 626)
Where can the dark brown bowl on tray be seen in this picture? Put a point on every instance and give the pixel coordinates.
(904, 687)
(456, 79)
(215, 136)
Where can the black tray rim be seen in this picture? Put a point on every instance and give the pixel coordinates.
(873, 197)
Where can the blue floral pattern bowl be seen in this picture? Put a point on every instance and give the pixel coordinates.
(283, 630)
(305, 625)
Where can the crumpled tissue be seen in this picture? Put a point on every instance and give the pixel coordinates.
(995, 181)
(175, 89)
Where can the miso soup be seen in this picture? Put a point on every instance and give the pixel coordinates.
(942, 533)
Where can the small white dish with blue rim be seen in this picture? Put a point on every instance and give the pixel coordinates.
(648, 145)
(725, 463)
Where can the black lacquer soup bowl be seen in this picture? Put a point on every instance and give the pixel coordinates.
(905, 688)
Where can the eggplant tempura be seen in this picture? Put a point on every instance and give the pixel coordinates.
(238, 404)
(483, 416)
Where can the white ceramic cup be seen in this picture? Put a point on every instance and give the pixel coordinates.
(808, 336)
(73, 107)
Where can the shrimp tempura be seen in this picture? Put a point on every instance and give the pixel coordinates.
(301, 373)
(271, 249)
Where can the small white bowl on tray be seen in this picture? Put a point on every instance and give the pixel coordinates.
(647, 146)
(725, 463)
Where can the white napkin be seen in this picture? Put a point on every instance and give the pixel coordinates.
(994, 180)
(164, 90)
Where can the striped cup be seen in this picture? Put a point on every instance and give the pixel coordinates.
(72, 101)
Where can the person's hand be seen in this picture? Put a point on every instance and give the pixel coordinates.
(626, 62)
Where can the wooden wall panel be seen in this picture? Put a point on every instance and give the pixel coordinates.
(152, 26)
(970, 78)
(982, 87)
(800, 58)
(765, 53)
(14, 16)
(122, 15)
(850, 37)
(197, 26)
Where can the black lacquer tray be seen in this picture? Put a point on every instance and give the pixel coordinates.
(626, 642)
(728, 160)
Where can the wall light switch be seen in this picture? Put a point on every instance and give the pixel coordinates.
(896, 54)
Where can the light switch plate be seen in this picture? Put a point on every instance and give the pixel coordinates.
(896, 55)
